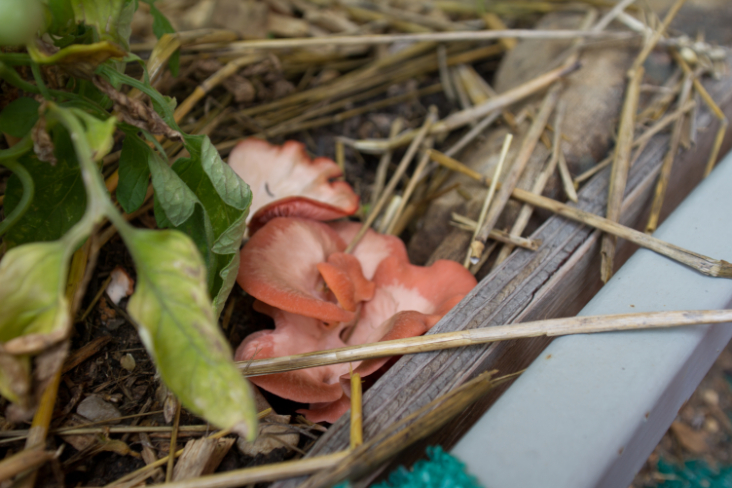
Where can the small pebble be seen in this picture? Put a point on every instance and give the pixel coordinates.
(710, 397)
(96, 409)
(128, 362)
(711, 425)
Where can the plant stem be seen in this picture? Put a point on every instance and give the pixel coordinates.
(36, 70)
(28, 191)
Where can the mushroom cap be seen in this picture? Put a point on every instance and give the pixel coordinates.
(409, 300)
(373, 247)
(285, 181)
(279, 266)
(379, 294)
(295, 334)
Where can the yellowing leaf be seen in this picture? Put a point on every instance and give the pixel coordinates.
(35, 312)
(81, 59)
(176, 323)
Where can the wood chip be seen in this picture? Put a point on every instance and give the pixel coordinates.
(694, 441)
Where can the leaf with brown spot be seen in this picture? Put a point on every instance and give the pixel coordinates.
(136, 112)
(42, 143)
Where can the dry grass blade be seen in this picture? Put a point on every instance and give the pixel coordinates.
(668, 160)
(259, 474)
(493, 21)
(90, 348)
(497, 234)
(390, 69)
(411, 186)
(407, 431)
(483, 35)
(23, 461)
(472, 114)
(356, 411)
(460, 91)
(448, 340)
(173, 443)
(640, 142)
(289, 128)
(381, 170)
(445, 77)
(212, 82)
(403, 165)
(164, 48)
(566, 178)
(480, 91)
(163, 460)
(505, 99)
(526, 210)
(340, 155)
(522, 158)
(611, 15)
(709, 101)
(621, 165)
(474, 132)
(701, 263)
(648, 46)
(475, 251)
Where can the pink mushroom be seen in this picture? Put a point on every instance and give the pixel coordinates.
(286, 182)
(321, 298)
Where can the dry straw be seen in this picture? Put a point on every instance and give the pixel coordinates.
(448, 340)
(475, 251)
(400, 435)
(701, 263)
(519, 164)
(619, 173)
(482, 35)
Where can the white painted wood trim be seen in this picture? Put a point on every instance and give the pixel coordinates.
(590, 409)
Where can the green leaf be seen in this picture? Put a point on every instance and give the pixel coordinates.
(19, 116)
(111, 18)
(178, 207)
(224, 195)
(98, 133)
(162, 26)
(177, 325)
(133, 173)
(62, 17)
(174, 196)
(203, 181)
(35, 310)
(225, 279)
(60, 198)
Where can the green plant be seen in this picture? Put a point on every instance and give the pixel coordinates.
(57, 196)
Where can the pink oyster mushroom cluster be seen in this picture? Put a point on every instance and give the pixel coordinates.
(320, 297)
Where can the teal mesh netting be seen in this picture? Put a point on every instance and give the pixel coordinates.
(694, 474)
(441, 470)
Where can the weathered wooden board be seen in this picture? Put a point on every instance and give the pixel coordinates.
(557, 280)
